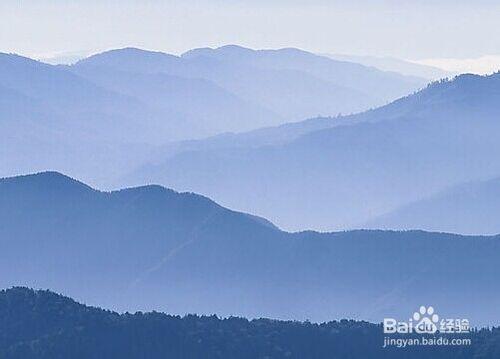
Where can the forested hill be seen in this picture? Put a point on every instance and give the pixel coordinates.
(42, 324)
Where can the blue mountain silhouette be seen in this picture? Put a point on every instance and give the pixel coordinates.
(153, 248)
(105, 115)
(339, 173)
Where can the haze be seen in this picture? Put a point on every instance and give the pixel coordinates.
(453, 30)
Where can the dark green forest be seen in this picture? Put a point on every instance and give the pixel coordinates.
(42, 324)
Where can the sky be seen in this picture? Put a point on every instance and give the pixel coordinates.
(443, 32)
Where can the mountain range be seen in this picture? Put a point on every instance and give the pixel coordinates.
(271, 79)
(341, 173)
(128, 117)
(104, 115)
(152, 248)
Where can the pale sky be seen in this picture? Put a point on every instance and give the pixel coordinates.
(417, 30)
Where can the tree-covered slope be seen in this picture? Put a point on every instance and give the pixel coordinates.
(43, 325)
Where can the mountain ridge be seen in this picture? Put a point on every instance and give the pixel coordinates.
(148, 247)
(226, 56)
(442, 135)
(81, 119)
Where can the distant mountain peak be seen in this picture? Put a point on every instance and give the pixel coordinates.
(136, 51)
(159, 192)
(17, 60)
(53, 184)
(126, 53)
(226, 50)
(44, 175)
(234, 47)
(238, 50)
(52, 180)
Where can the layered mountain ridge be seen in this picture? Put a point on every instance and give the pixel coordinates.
(348, 170)
(105, 115)
(152, 248)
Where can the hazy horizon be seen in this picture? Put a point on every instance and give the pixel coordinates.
(483, 65)
(455, 36)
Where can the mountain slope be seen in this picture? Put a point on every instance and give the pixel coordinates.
(208, 108)
(93, 109)
(396, 65)
(52, 118)
(344, 175)
(149, 247)
(469, 208)
(382, 85)
(274, 135)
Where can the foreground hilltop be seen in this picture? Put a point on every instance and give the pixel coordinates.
(42, 324)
